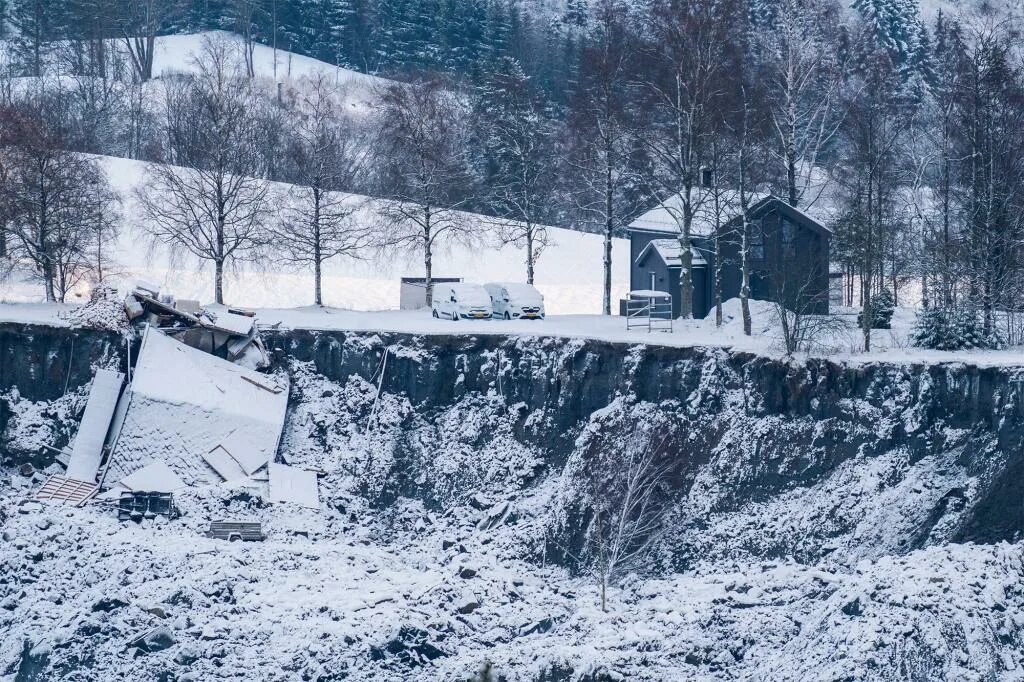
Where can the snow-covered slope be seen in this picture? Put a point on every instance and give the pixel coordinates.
(568, 272)
(179, 53)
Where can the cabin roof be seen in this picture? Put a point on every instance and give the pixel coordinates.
(670, 251)
(663, 218)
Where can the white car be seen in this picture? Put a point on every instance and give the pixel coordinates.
(461, 301)
(515, 301)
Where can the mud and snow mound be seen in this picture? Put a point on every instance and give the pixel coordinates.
(104, 311)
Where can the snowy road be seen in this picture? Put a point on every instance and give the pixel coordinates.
(890, 345)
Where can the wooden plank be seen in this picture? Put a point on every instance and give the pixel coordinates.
(63, 489)
(87, 451)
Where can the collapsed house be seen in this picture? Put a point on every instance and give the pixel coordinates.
(227, 333)
(204, 418)
(194, 411)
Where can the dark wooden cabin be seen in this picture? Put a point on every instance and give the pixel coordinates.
(789, 257)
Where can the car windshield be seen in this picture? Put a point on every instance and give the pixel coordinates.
(471, 294)
(523, 292)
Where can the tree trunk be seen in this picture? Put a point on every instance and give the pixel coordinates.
(218, 281)
(529, 254)
(609, 227)
(317, 250)
(791, 159)
(745, 276)
(428, 260)
(745, 226)
(718, 237)
(147, 72)
(684, 146)
(48, 277)
(317, 281)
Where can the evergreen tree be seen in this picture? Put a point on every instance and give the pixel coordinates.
(952, 329)
(883, 305)
(897, 28)
(36, 24)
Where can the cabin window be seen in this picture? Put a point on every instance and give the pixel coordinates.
(756, 242)
(788, 239)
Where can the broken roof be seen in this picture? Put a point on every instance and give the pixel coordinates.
(228, 322)
(87, 453)
(184, 403)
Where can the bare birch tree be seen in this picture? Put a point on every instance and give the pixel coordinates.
(214, 203)
(689, 46)
(601, 146)
(803, 81)
(327, 153)
(519, 135)
(425, 172)
(628, 507)
(58, 206)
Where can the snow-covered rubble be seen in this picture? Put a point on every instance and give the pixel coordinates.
(816, 529)
(420, 595)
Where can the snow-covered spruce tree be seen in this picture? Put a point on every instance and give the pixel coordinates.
(898, 29)
(952, 329)
(883, 305)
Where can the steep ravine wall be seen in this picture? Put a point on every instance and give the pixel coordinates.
(774, 458)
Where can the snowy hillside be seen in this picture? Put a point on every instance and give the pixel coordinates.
(568, 273)
(178, 53)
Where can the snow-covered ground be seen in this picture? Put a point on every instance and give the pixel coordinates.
(430, 597)
(568, 272)
(842, 344)
(181, 53)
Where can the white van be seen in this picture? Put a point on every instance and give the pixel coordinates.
(515, 301)
(461, 301)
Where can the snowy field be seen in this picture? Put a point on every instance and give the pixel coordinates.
(568, 272)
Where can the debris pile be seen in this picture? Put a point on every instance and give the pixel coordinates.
(194, 411)
(104, 311)
(227, 333)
